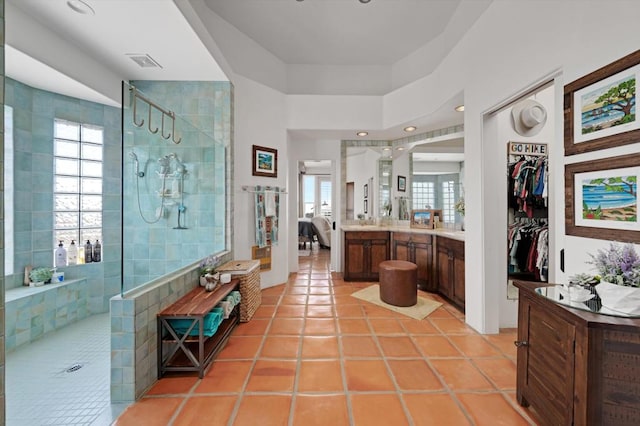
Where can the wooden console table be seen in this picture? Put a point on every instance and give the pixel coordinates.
(576, 367)
(182, 352)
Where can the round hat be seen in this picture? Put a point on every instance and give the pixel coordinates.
(529, 117)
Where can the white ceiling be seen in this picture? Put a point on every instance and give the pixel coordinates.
(338, 32)
(315, 32)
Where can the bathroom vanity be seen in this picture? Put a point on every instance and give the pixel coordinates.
(438, 253)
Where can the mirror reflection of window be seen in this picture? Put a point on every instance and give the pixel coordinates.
(423, 195)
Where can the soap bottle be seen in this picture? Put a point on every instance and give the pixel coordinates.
(72, 253)
(61, 256)
(97, 251)
(88, 252)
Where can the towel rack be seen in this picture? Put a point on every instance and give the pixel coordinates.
(252, 189)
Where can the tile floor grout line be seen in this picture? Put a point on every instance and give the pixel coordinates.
(296, 376)
(236, 407)
(398, 391)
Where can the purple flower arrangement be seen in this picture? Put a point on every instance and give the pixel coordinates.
(208, 264)
(620, 265)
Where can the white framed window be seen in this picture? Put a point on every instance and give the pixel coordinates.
(77, 183)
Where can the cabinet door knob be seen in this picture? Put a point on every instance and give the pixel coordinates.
(520, 343)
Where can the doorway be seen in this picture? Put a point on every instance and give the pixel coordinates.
(315, 206)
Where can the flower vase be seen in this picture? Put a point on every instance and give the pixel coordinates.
(619, 299)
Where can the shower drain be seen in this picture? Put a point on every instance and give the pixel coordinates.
(73, 368)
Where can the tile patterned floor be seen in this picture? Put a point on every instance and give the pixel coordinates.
(314, 355)
(39, 390)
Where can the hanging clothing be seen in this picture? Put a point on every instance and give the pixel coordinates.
(528, 184)
(528, 244)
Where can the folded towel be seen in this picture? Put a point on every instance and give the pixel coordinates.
(210, 324)
(227, 307)
(236, 296)
(269, 203)
(231, 300)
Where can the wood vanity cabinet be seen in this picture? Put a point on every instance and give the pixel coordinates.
(576, 367)
(418, 249)
(450, 269)
(363, 252)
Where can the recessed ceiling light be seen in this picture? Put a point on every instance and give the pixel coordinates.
(80, 6)
(362, 133)
(459, 108)
(410, 129)
(386, 148)
(400, 148)
(365, 1)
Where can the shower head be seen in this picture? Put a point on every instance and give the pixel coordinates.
(137, 165)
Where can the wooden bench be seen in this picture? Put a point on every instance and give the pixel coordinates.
(185, 352)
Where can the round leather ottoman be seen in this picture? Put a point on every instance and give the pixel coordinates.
(398, 282)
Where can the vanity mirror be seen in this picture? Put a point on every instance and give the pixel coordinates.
(431, 165)
(366, 164)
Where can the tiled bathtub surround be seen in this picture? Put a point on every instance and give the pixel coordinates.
(31, 312)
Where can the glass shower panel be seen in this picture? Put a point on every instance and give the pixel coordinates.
(174, 194)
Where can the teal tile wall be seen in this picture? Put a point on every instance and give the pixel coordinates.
(2, 280)
(34, 112)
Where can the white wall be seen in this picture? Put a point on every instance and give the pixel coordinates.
(259, 120)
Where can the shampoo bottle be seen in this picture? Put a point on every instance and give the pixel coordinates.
(61, 256)
(97, 251)
(88, 252)
(72, 253)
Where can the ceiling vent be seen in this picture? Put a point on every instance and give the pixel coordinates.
(144, 60)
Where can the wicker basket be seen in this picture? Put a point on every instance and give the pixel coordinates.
(248, 272)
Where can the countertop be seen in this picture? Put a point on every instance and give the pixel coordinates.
(440, 232)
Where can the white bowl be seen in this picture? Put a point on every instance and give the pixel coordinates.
(225, 278)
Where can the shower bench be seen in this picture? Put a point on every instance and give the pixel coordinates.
(32, 312)
(184, 352)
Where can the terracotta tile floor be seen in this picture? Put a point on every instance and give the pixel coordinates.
(314, 355)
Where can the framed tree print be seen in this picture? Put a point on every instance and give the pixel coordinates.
(600, 108)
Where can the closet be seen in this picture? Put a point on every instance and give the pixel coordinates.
(528, 230)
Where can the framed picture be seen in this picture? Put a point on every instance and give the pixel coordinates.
(424, 218)
(600, 108)
(365, 206)
(365, 191)
(265, 161)
(602, 198)
(402, 183)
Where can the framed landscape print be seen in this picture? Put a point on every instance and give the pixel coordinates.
(265, 161)
(602, 198)
(600, 108)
